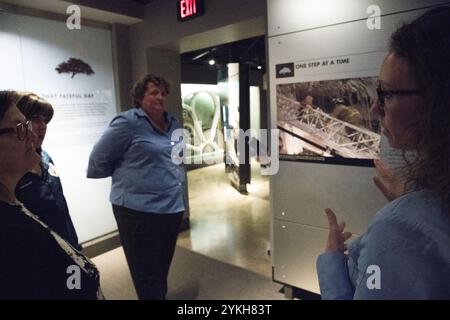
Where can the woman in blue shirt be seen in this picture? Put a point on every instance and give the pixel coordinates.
(40, 189)
(147, 192)
(405, 253)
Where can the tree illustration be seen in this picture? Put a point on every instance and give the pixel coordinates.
(74, 66)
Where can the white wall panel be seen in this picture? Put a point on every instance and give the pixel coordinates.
(303, 31)
(350, 39)
(286, 16)
(11, 74)
(31, 49)
(303, 190)
(295, 246)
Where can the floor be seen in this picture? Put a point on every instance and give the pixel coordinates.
(226, 225)
(224, 254)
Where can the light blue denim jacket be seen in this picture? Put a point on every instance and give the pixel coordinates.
(138, 157)
(408, 240)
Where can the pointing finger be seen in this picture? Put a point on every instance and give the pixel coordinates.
(332, 220)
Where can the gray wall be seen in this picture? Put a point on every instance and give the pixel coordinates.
(198, 73)
(129, 8)
(161, 28)
(166, 63)
(121, 62)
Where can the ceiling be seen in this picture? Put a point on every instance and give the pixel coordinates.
(250, 51)
(144, 2)
(109, 12)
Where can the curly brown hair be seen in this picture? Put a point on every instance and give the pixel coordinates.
(141, 86)
(425, 45)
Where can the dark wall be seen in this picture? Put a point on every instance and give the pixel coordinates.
(121, 61)
(202, 74)
(161, 28)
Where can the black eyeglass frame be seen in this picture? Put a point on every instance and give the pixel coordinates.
(22, 130)
(382, 94)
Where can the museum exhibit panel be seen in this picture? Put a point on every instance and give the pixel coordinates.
(324, 59)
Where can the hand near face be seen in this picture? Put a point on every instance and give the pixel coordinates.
(336, 236)
(386, 182)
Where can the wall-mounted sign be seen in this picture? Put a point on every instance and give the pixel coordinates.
(80, 86)
(284, 70)
(188, 9)
(74, 66)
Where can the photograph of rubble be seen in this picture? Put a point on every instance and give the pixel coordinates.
(328, 121)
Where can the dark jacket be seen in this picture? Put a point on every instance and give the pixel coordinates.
(38, 264)
(44, 197)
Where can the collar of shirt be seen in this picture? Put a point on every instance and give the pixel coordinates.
(167, 116)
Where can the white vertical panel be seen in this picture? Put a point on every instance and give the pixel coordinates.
(255, 114)
(31, 49)
(296, 247)
(302, 191)
(304, 31)
(11, 68)
(286, 16)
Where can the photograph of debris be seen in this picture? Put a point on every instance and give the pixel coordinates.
(328, 121)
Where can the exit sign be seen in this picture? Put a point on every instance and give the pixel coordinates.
(188, 9)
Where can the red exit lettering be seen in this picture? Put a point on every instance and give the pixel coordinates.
(188, 8)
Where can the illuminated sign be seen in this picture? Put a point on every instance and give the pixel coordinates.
(188, 9)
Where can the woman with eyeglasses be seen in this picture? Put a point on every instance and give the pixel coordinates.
(36, 262)
(40, 189)
(405, 253)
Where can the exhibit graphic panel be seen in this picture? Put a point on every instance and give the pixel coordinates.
(73, 70)
(324, 60)
(323, 112)
(328, 121)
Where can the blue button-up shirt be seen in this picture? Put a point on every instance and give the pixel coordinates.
(138, 157)
(403, 255)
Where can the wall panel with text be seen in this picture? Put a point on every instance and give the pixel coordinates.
(324, 59)
(73, 70)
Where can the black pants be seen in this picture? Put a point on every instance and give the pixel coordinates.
(148, 240)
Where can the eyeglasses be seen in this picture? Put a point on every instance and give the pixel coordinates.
(382, 94)
(39, 118)
(22, 130)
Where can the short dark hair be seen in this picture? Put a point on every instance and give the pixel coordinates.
(425, 44)
(31, 105)
(7, 99)
(141, 86)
